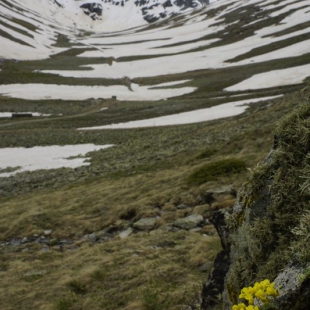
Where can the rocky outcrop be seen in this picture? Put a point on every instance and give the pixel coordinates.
(145, 223)
(94, 10)
(269, 227)
(154, 11)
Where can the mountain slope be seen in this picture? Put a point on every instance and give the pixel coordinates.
(199, 95)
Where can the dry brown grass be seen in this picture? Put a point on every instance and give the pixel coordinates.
(111, 275)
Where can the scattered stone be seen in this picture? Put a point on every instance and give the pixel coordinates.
(25, 240)
(64, 241)
(44, 240)
(182, 206)
(197, 229)
(156, 232)
(219, 194)
(145, 223)
(99, 234)
(189, 222)
(35, 273)
(72, 248)
(92, 237)
(126, 233)
(15, 242)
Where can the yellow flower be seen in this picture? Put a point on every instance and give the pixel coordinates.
(241, 306)
(265, 283)
(257, 287)
(251, 307)
(251, 290)
(271, 291)
(245, 294)
(261, 295)
(262, 290)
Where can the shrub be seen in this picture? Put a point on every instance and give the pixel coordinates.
(214, 170)
(77, 287)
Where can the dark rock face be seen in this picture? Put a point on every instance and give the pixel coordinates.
(296, 299)
(167, 4)
(94, 10)
(219, 222)
(166, 8)
(214, 286)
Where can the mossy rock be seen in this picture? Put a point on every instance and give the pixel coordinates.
(274, 210)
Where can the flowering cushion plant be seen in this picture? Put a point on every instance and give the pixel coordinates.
(263, 291)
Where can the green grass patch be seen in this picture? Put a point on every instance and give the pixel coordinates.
(9, 169)
(212, 171)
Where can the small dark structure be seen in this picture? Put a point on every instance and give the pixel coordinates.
(18, 115)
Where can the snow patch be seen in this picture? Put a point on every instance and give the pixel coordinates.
(197, 116)
(67, 92)
(46, 157)
(290, 76)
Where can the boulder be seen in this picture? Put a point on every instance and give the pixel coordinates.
(189, 222)
(145, 224)
(126, 233)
